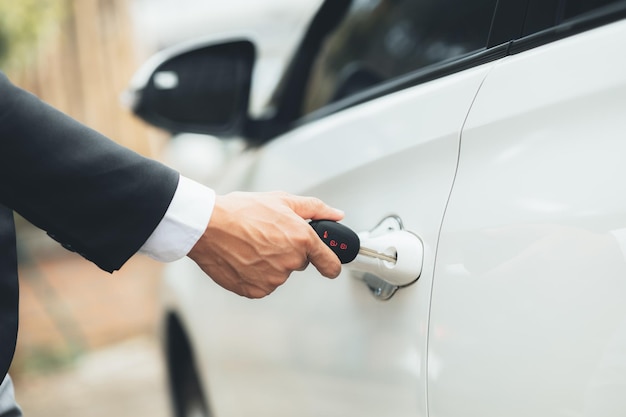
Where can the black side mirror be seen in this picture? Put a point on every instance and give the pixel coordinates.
(196, 88)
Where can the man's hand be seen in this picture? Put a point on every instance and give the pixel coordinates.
(255, 240)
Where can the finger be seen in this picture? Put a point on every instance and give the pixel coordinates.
(303, 267)
(313, 208)
(324, 259)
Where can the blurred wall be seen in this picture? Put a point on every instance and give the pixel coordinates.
(83, 65)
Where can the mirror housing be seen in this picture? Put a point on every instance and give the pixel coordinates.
(199, 87)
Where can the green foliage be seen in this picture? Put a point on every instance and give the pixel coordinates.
(23, 23)
(45, 359)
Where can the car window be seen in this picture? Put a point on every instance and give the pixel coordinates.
(575, 8)
(379, 40)
(545, 14)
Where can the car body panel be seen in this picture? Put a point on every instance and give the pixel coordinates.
(328, 347)
(528, 314)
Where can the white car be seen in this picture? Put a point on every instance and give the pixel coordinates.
(491, 132)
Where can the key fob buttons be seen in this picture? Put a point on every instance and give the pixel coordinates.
(339, 238)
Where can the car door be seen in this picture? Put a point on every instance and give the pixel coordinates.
(528, 315)
(319, 347)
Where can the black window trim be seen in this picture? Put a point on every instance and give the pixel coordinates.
(508, 21)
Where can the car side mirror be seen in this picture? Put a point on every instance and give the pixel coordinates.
(199, 87)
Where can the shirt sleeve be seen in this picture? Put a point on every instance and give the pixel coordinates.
(184, 222)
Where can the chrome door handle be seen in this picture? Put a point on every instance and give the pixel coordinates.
(401, 263)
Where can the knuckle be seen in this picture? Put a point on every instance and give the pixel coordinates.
(295, 263)
(304, 239)
(280, 194)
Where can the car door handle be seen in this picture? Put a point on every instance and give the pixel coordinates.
(401, 264)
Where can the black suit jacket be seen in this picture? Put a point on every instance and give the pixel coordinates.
(92, 195)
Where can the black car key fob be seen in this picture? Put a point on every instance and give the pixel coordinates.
(339, 238)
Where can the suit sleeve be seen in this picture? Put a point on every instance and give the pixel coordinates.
(94, 196)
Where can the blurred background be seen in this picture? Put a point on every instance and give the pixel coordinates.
(87, 343)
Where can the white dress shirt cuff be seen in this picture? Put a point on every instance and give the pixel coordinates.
(184, 222)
